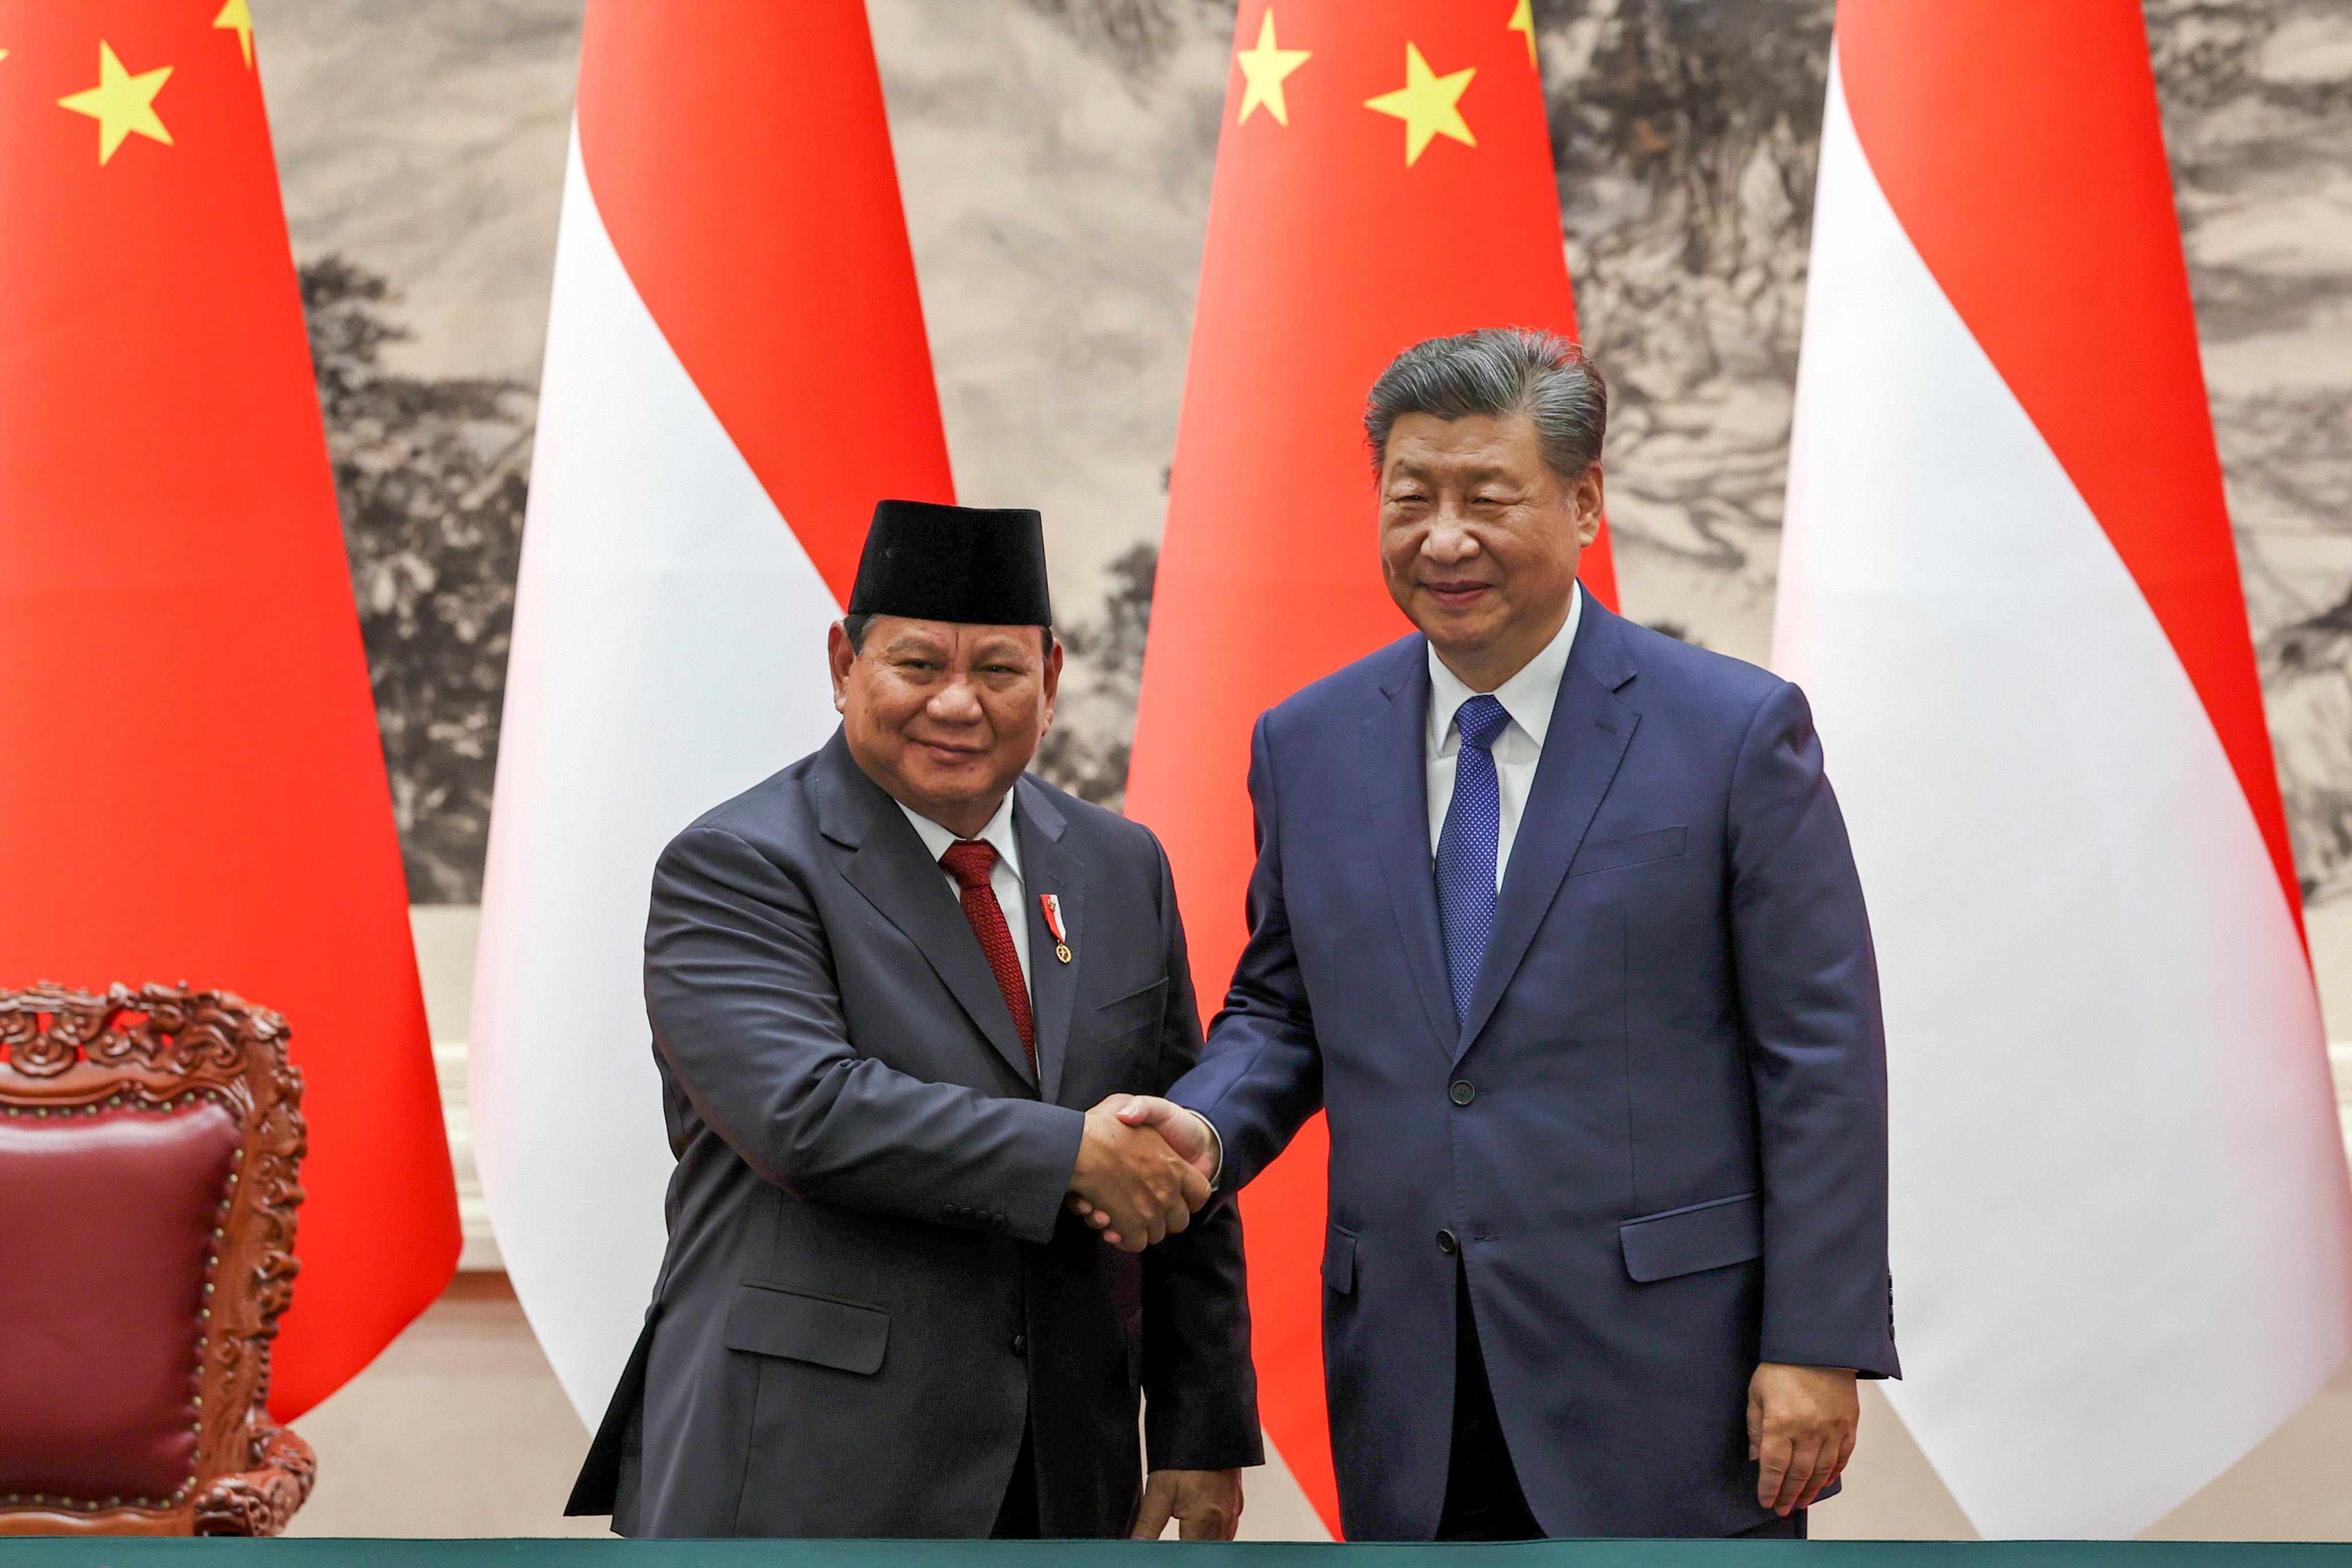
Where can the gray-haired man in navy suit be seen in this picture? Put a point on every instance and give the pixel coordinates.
(1584, 982)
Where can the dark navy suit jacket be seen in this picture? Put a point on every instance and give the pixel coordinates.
(1659, 1136)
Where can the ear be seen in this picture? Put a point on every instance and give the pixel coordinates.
(1053, 683)
(841, 655)
(1588, 503)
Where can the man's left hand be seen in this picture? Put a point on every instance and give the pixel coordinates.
(1800, 1426)
(1205, 1504)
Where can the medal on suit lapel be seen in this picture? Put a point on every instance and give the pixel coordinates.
(1052, 908)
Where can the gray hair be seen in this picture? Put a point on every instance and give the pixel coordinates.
(1496, 373)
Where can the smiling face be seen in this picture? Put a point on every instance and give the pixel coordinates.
(1479, 539)
(944, 716)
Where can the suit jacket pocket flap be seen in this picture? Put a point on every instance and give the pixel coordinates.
(768, 1320)
(1664, 843)
(1339, 1261)
(1683, 1241)
(1136, 1010)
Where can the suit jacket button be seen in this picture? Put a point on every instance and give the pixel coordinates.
(1446, 1243)
(1462, 1093)
(1021, 1344)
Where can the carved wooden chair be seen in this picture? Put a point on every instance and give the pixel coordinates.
(148, 1145)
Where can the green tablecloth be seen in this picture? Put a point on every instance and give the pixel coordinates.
(113, 1554)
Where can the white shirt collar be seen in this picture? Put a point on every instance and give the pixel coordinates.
(1527, 697)
(999, 832)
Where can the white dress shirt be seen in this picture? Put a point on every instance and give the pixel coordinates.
(1527, 697)
(1004, 879)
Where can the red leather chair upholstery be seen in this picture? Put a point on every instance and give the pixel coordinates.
(148, 1146)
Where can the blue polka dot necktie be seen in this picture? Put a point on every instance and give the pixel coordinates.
(1466, 848)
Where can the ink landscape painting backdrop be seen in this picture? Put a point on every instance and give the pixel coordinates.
(1056, 159)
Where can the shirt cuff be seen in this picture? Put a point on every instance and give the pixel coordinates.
(1217, 1176)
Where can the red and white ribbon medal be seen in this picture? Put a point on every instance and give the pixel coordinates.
(1053, 906)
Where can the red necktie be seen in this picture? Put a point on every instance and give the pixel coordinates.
(970, 861)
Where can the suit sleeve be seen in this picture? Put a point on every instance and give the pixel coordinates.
(741, 992)
(1261, 1075)
(1808, 982)
(1201, 1413)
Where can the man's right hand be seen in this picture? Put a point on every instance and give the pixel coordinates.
(1142, 1190)
(1191, 1136)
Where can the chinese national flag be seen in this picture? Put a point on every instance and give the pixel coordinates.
(1384, 175)
(196, 791)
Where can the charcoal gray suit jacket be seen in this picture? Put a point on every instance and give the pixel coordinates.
(872, 1284)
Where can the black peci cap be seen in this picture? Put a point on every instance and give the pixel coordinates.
(982, 566)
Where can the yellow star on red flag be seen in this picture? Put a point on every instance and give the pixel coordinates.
(1426, 103)
(236, 14)
(120, 102)
(1264, 69)
(1523, 20)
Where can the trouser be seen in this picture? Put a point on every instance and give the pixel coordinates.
(1016, 1517)
(1482, 1500)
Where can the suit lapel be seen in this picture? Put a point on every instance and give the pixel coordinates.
(1047, 867)
(1590, 728)
(902, 882)
(1396, 778)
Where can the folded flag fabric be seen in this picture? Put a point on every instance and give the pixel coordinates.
(198, 792)
(736, 372)
(2121, 1245)
(1384, 175)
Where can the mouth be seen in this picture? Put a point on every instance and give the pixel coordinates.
(1458, 595)
(949, 753)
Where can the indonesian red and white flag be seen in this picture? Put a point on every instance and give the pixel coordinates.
(2121, 1244)
(196, 788)
(1384, 175)
(736, 372)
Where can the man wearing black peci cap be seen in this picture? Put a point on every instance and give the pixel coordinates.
(886, 986)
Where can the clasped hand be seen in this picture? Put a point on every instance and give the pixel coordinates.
(1129, 1184)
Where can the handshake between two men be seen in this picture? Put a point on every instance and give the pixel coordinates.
(1144, 1170)
(1597, 1226)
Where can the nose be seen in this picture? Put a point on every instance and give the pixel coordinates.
(1448, 541)
(954, 703)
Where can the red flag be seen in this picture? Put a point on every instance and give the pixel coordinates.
(1384, 175)
(197, 790)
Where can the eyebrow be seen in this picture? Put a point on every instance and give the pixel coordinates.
(1475, 476)
(1001, 648)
